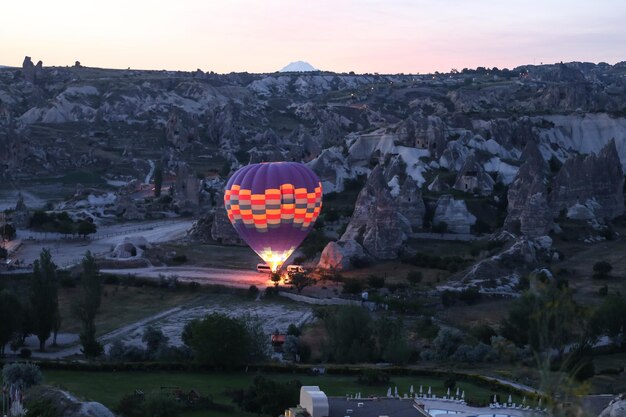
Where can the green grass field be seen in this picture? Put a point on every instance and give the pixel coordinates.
(109, 387)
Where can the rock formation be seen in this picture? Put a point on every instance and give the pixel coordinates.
(410, 204)
(180, 129)
(454, 213)
(215, 227)
(21, 215)
(376, 222)
(65, 404)
(528, 211)
(339, 256)
(330, 167)
(186, 189)
(222, 229)
(616, 408)
(30, 71)
(502, 271)
(126, 208)
(130, 247)
(473, 178)
(596, 181)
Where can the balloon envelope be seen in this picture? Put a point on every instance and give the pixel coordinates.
(273, 206)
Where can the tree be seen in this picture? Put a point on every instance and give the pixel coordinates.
(9, 318)
(266, 396)
(392, 341)
(350, 334)
(291, 347)
(602, 269)
(275, 277)
(546, 318)
(218, 341)
(300, 281)
(88, 304)
(22, 374)
(56, 326)
(44, 298)
(86, 227)
(7, 231)
(158, 180)
(154, 339)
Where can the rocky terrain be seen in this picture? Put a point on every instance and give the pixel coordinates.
(470, 153)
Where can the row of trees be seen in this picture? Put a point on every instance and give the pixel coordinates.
(37, 311)
(61, 223)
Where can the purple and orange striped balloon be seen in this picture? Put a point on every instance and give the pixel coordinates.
(273, 206)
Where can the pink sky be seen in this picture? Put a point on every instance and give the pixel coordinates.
(342, 35)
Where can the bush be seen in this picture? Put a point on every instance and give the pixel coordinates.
(159, 405)
(601, 269)
(426, 328)
(43, 408)
(131, 405)
(25, 353)
(122, 352)
(449, 383)
(373, 377)
(179, 259)
(483, 333)
(253, 291)
(23, 374)
(374, 281)
(414, 277)
(448, 298)
(603, 291)
(470, 295)
(352, 286)
(293, 330)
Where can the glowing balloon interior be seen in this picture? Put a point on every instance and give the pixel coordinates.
(273, 206)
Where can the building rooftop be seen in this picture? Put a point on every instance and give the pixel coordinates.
(372, 407)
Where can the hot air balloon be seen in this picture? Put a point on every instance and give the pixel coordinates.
(273, 206)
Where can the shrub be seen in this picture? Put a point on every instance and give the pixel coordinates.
(253, 291)
(414, 277)
(43, 408)
(447, 342)
(447, 298)
(483, 333)
(469, 295)
(25, 353)
(374, 281)
(352, 286)
(449, 383)
(23, 374)
(67, 281)
(373, 377)
(601, 269)
(179, 259)
(131, 405)
(426, 328)
(158, 405)
(293, 330)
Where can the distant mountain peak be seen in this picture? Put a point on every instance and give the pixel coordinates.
(298, 66)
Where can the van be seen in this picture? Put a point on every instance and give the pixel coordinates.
(295, 269)
(263, 268)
